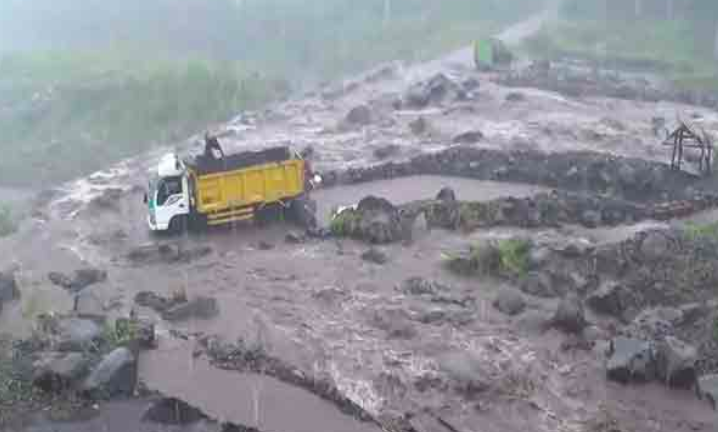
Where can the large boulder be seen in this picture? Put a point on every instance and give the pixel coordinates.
(655, 324)
(630, 360)
(608, 299)
(56, 372)
(570, 316)
(171, 411)
(376, 256)
(656, 245)
(76, 334)
(466, 371)
(538, 284)
(510, 302)
(468, 137)
(676, 362)
(436, 90)
(375, 220)
(79, 280)
(156, 302)
(115, 375)
(360, 115)
(200, 308)
(395, 322)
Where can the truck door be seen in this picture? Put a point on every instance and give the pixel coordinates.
(170, 201)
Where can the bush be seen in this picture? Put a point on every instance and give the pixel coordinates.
(508, 258)
(514, 254)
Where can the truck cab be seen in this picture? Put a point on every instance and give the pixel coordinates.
(169, 195)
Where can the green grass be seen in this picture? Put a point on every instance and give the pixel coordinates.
(8, 224)
(70, 113)
(342, 224)
(669, 47)
(696, 231)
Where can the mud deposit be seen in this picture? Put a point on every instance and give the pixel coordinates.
(277, 330)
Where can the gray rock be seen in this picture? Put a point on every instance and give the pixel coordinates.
(446, 194)
(201, 308)
(75, 334)
(538, 284)
(8, 287)
(360, 115)
(56, 372)
(419, 126)
(676, 362)
(515, 97)
(466, 371)
(570, 316)
(80, 279)
(434, 91)
(418, 286)
(115, 375)
(375, 256)
(656, 323)
(395, 322)
(88, 305)
(707, 389)
(387, 150)
(630, 360)
(468, 137)
(609, 299)
(171, 411)
(591, 218)
(155, 301)
(656, 245)
(534, 321)
(510, 302)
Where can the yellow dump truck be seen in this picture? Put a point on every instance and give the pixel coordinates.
(207, 191)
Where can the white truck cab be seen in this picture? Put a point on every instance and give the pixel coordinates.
(169, 195)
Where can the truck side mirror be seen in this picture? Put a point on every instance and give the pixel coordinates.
(144, 198)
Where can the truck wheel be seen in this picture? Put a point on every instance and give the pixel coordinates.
(178, 225)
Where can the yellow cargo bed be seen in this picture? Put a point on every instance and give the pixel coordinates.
(235, 195)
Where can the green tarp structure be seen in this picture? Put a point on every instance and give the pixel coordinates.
(484, 53)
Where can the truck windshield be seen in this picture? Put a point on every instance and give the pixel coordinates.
(166, 187)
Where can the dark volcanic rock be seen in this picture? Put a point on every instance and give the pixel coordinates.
(295, 238)
(446, 194)
(395, 322)
(201, 308)
(375, 256)
(386, 151)
(538, 284)
(570, 316)
(56, 372)
(115, 375)
(510, 302)
(360, 115)
(156, 302)
(80, 279)
(418, 286)
(172, 411)
(609, 299)
(515, 97)
(74, 334)
(469, 137)
(434, 91)
(676, 363)
(630, 360)
(375, 220)
(466, 371)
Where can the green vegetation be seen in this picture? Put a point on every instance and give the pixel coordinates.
(696, 231)
(8, 224)
(514, 255)
(507, 257)
(121, 333)
(73, 99)
(677, 42)
(342, 224)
